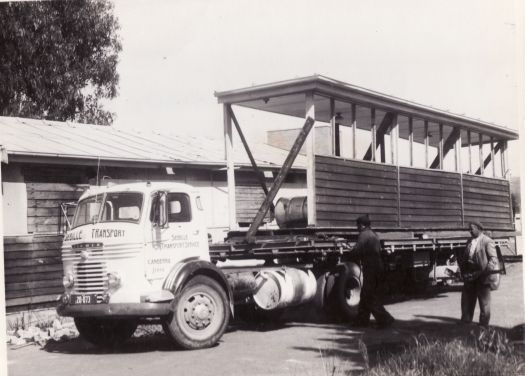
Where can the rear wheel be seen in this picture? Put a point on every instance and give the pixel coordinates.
(347, 290)
(105, 332)
(200, 316)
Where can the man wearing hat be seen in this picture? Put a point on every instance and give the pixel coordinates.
(368, 251)
(476, 262)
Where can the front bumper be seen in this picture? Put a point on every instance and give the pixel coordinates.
(115, 309)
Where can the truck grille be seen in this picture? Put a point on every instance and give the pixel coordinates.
(90, 278)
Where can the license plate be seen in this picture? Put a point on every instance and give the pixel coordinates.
(83, 299)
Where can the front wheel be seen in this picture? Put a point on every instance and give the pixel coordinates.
(105, 332)
(200, 314)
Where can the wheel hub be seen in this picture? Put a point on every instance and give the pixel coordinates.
(199, 311)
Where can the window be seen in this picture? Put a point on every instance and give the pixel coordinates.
(87, 211)
(179, 208)
(122, 206)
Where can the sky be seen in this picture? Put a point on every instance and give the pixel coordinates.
(456, 56)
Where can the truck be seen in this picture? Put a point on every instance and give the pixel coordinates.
(141, 253)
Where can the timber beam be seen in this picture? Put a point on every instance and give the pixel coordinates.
(279, 180)
(258, 173)
(387, 121)
(447, 146)
(497, 147)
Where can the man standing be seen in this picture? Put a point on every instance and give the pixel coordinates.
(476, 262)
(368, 251)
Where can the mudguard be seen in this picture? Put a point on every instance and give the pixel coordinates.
(185, 270)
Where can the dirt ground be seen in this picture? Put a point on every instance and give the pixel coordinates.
(306, 345)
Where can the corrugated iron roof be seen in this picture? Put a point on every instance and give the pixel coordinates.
(25, 139)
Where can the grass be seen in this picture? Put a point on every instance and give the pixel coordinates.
(485, 353)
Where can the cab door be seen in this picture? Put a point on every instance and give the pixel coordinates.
(175, 235)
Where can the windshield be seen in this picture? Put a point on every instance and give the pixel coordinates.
(118, 206)
(87, 211)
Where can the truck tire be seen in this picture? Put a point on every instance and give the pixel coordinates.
(105, 332)
(200, 314)
(347, 290)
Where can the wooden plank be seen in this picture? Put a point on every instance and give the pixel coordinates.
(485, 179)
(21, 255)
(35, 269)
(13, 263)
(432, 225)
(42, 221)
(339, 208)
(489, 192)
(350, 223)
(487, 214)
(426, 198)
(230, 171)
(30, 277)
(431, 179)
(474, 202)
(353, 216)
(430, 218)
(32, 203)
(44, 246)
(340, 177)
(425, 172)
(416, 184)
(487, 220)
(357, 164)
(430, 192)
(33, 292)
(63, 196)
(492, 207)
(488, 198)
(356, 201)
(54, 187)
(33, 285)
(355, 170)
(354, 186)
(424, 204)
(357, 194)
(432, 211)
(493, 187)
(31, 300)
(32, 238)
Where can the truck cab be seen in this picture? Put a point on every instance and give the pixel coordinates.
(138, 251)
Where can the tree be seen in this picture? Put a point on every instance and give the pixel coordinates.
(58, 59)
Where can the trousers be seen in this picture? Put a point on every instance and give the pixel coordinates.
(472, 291)
(370, 302)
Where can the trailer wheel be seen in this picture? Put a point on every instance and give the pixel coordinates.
(105, 332)
(200, 314)
(347, 290)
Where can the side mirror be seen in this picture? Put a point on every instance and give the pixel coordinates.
(160, 210)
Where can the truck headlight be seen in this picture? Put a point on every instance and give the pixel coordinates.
(68, 281)
(114, 280)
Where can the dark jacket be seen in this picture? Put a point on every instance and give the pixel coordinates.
(368, 251)
(484, 259)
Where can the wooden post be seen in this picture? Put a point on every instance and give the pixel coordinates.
(457, 150)
(469, 140)
(373, 130)
(426, 144)
(481, 164)
(492, 157)
(503, 159)
(281, 176)
(230, 168)
(259, 174)
(3, 349)
(336, 147)
(411, 140)
(354, 126)
(393, 140)
(310, 161)
(440, 151)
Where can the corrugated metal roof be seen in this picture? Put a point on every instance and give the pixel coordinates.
(30, 138)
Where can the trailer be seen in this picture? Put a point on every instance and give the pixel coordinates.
(140, 252)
